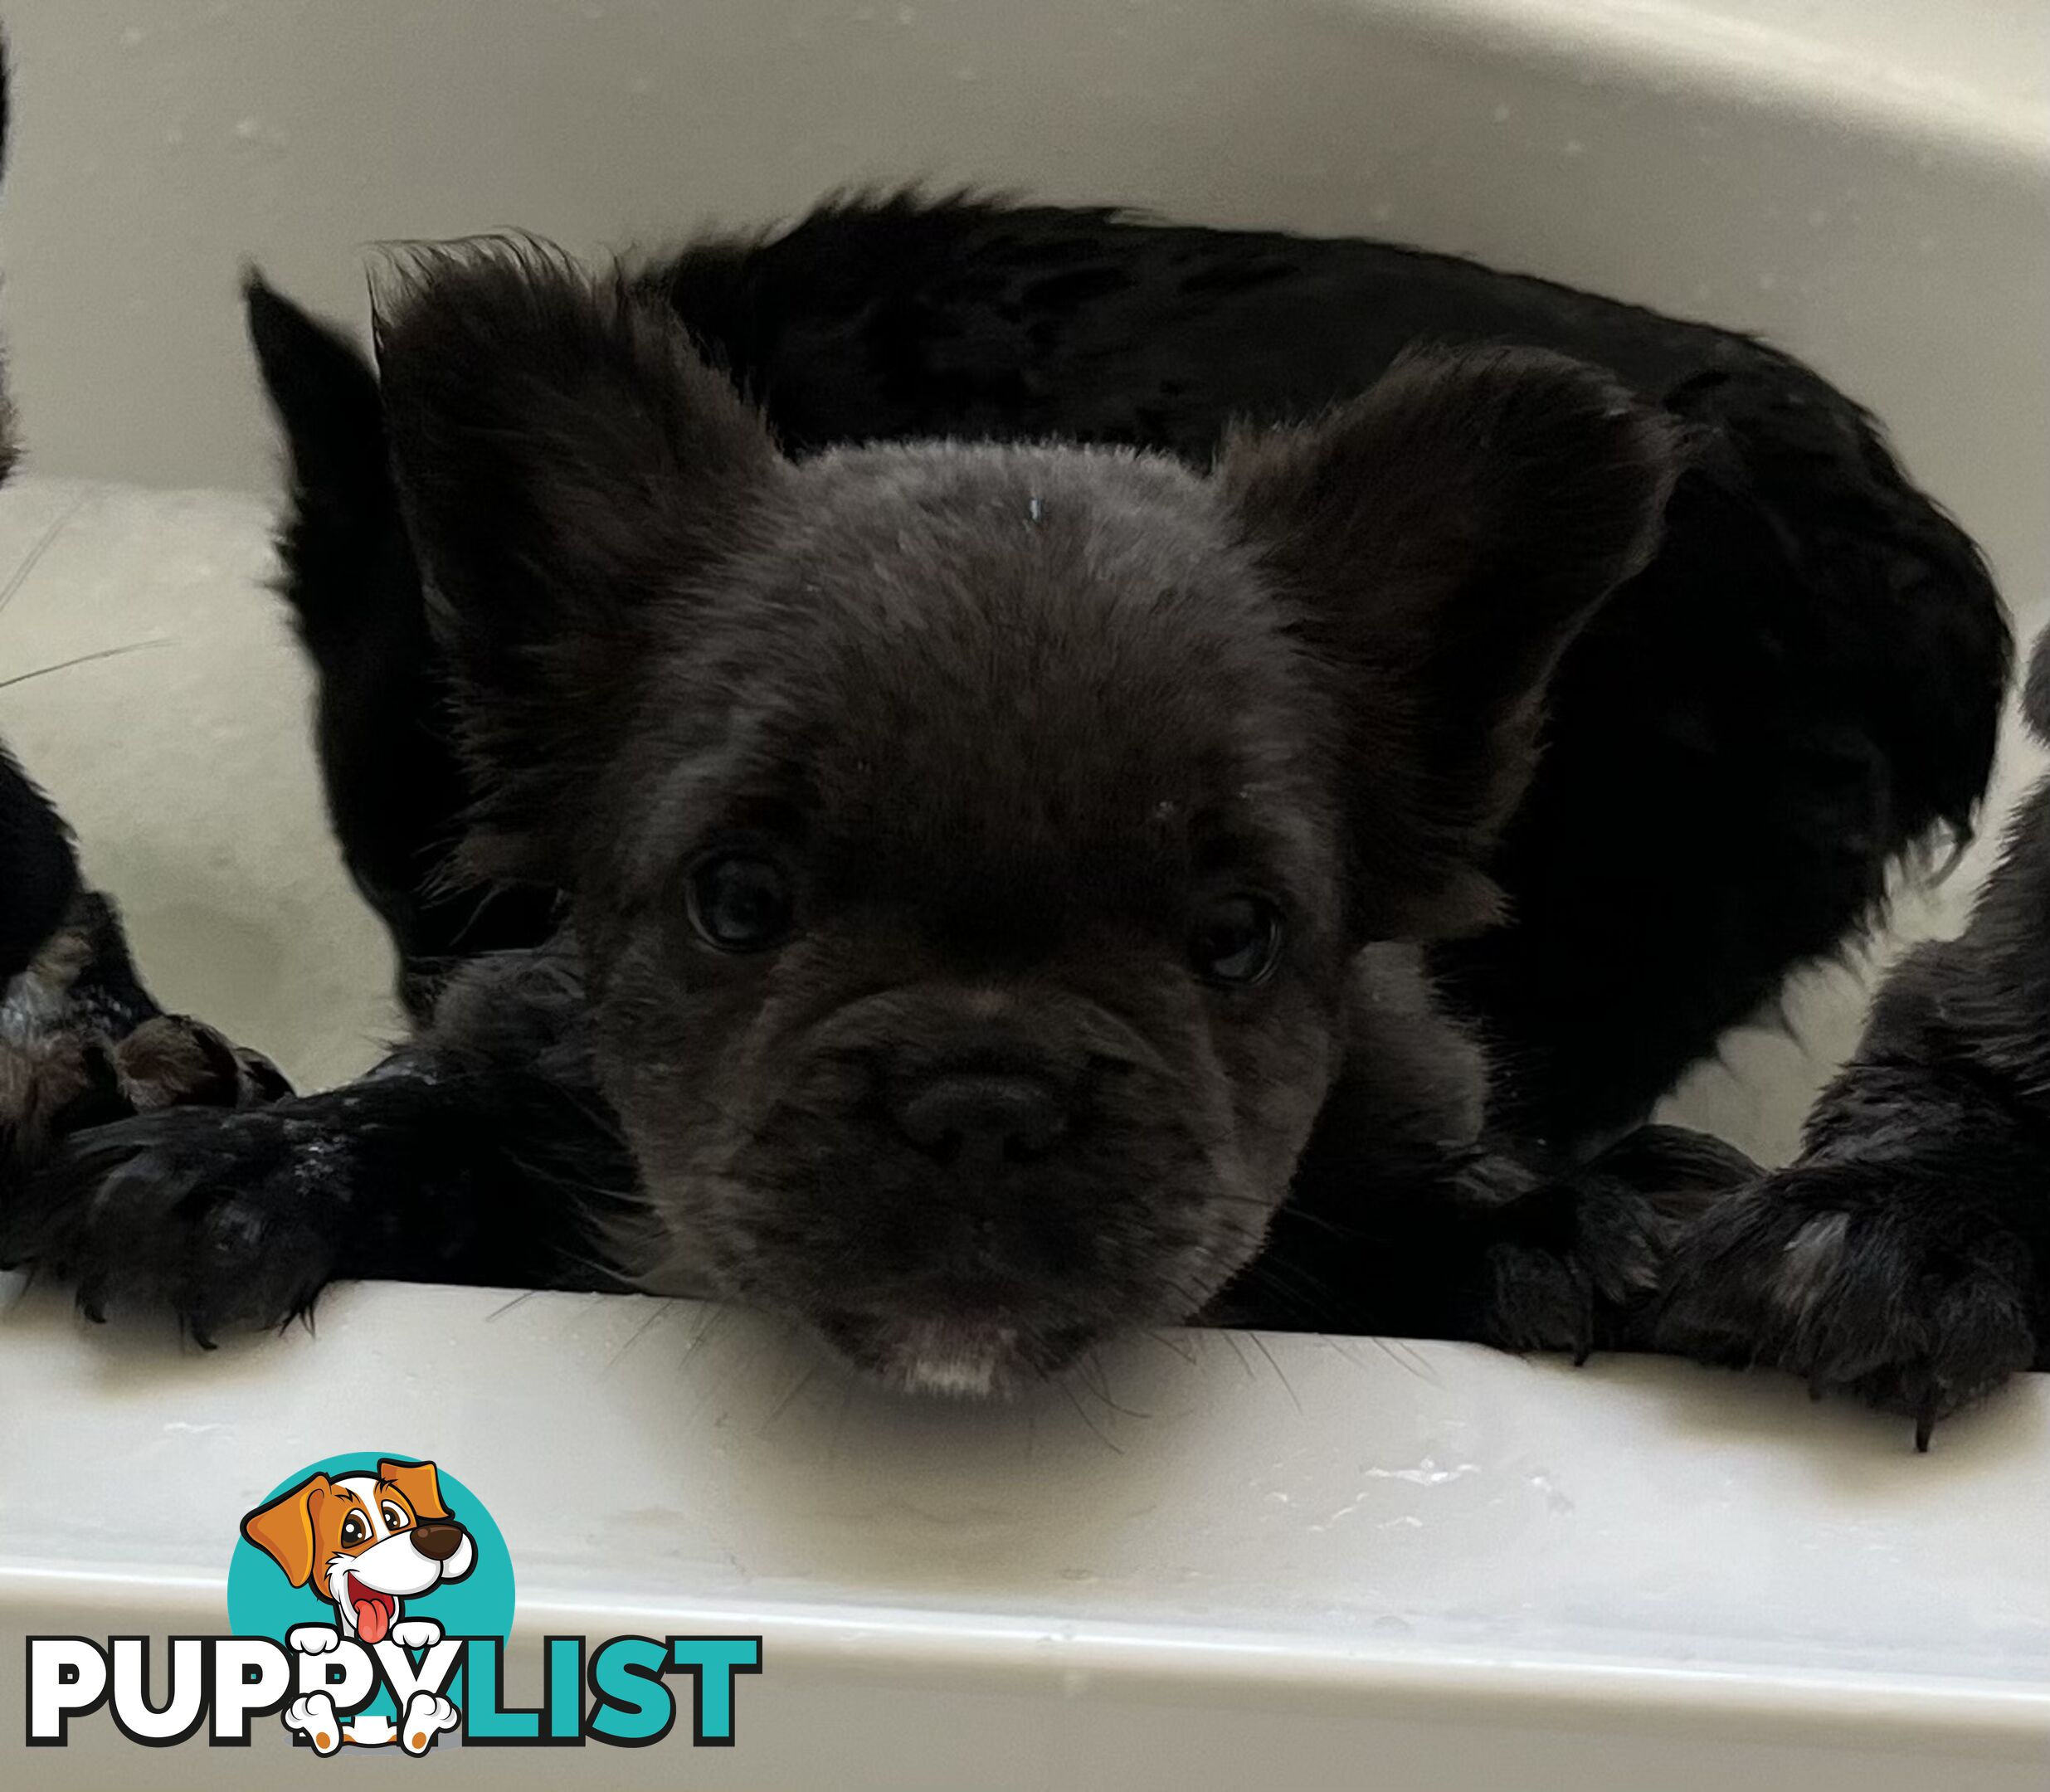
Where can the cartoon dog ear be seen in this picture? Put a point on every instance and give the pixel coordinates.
(419, 1482)
(284, 1530)
(570, 469)
(1439, 542)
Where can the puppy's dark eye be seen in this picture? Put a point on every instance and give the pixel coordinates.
(354, 1529)
(1237, 940)
(738, 902)
(394, 1519)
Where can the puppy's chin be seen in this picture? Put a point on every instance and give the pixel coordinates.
(961, 1356)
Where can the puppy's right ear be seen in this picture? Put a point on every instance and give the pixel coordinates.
(284, 1530)
(570, 469)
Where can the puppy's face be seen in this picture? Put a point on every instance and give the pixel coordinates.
(969, 973)
(970, 845)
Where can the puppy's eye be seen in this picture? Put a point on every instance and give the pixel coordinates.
(394, 1519)
(354, 1528)
(1237, 940)
(738, 902)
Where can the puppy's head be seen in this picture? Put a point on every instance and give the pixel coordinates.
(970, 845)
(366, 1542)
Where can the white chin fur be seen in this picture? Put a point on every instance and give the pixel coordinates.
(965, 1362)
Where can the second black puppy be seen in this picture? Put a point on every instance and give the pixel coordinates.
(996, 876)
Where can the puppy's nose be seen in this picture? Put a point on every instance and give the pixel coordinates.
(982, 1117)
(436, 1539)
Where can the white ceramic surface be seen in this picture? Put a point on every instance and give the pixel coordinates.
(1222, 1563)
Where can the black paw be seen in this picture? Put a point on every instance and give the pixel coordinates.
(226, 1218)
(1583, 1258)
(85, 1045)
(1826, 1271)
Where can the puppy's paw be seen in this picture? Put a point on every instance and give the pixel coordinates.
(1838, 1273)
(1579, 1280)
(313, 1639)
(427, 1714)
(1581, 1261)
(416, 1632)
(227, 1218)
(314, 1717)
(86, 1045)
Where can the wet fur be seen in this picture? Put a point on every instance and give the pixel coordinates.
(1905, 1255)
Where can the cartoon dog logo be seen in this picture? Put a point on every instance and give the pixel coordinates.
(366, 1543)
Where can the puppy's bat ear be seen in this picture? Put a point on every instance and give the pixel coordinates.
(284, 1530)
(569, 468)
(1439, 542)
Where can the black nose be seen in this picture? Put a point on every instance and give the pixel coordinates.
(982, 1117)
(437, 1538)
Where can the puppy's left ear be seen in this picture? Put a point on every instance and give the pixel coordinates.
(1439, 542)
(572, 473)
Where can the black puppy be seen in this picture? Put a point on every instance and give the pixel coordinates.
(994, 876)
(1801, 688)
(1906, 1253)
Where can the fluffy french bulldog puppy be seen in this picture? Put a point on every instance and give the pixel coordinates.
(1906, 1253)
(994, 877)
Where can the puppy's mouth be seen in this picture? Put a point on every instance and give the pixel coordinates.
(970, 1358)
(374, 1610)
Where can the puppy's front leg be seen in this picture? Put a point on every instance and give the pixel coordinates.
(1904, 1258)
(1481, 1245)
(433, 1168)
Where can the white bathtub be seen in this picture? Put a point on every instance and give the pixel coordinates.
(1233, 1563)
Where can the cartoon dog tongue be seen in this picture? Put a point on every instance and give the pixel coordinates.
(374, 1613)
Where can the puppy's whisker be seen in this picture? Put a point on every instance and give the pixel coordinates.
(1260, 1343)
(79, 659)
(1187, 1353)
(783, 1405)
(1102, 1436)
(639, 1333)
(1098, 1385)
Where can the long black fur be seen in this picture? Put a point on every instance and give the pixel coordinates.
(1905, 1253)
